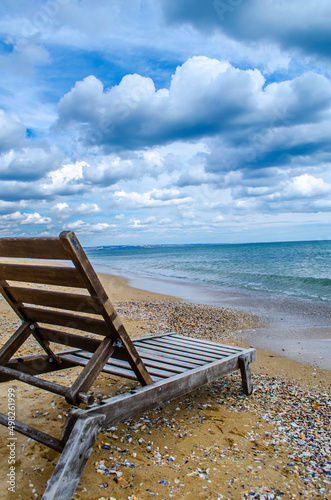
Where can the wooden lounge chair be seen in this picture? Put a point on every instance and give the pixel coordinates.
(167, 366)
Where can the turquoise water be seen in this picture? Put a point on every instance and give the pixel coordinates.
(296, 269)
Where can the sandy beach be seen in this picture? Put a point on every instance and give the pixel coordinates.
(212, 444)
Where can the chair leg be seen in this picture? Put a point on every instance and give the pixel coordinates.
(246, 375)
(72, 461)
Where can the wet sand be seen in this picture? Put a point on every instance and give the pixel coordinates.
(294, 328)
(213, 444)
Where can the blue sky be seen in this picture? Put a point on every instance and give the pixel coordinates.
(140, 121)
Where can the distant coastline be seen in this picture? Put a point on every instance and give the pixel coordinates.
(170, 245)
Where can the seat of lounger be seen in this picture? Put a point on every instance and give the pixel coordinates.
(164, 356)
(167, 366)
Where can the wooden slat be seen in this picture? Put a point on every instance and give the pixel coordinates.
(207, 344)
(181, 354)
(84, 323)
(147, 337)
(153, 368)
(34, 365)
(190, 353)
(160, 374)
(150, 355)
(146, 350)
(60, 300)
(5, 292)
(113, 370)
(69, 339)
(33, 433)
(48, 275)
(33, 248)
(43, 384)
(16, 306)
(191, 346)
(195, 346)
(81, 342)
(163, 369)
(119, 372)
(110, 361)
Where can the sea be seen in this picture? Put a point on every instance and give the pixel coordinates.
(288, 285)
(292, 269)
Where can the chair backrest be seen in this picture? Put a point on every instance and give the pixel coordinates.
(22, 298)
(23, 286)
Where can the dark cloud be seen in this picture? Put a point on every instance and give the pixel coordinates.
(30, 164)
(18, 191)
(304, 26)
(22, 157)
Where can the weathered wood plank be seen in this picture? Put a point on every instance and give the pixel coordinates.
(33, 433)
(69, 301)
(193, 347)
(185, 354)
(110, 360)
(208, 345)
(50, 317)
(5, 292)
(246, 375)
(153, 368)
(91, 281)
(34, 365)
(160, 364)
(196, 346)
(45, 345)
(44, 384)
(111, 369)
(171, 356)
(48, 275)
(69, 339)
(162, 369)
(94, 286)
(148, 336)
(14, 343)
(181, 354)
(33, 248)
(86, 378)
(149, 355)
(72, 461)
(124, 407)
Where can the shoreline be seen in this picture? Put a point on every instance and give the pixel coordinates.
(212, 444)
(294, 328)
